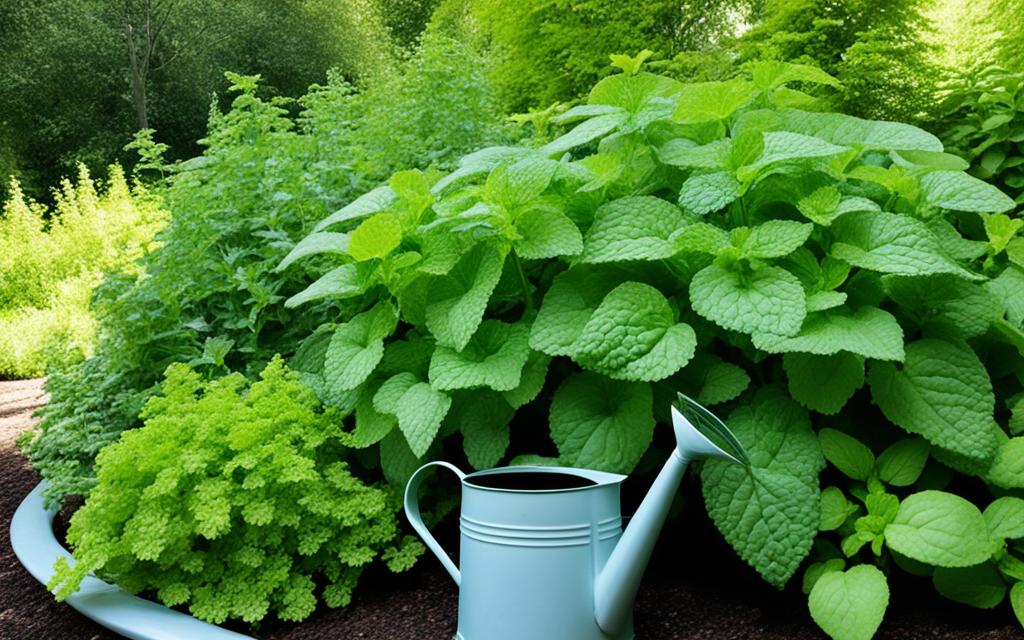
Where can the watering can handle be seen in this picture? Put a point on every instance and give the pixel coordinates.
(412, 511)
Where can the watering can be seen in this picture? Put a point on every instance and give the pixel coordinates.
(542, 552)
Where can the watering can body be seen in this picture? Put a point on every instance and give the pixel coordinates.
(549, 559)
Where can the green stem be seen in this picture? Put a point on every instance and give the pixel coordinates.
(527, 296)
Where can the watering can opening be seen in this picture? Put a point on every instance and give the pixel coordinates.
(530, 479)
(699, 433)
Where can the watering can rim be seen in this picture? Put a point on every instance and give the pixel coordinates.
(600, 478)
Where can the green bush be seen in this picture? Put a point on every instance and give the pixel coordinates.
(51, 260)
(235, 500)
(984, 124)
(831, 284)
(209, 295)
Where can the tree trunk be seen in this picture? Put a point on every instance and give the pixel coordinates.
(138, 80)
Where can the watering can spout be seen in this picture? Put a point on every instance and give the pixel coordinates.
(699, 434)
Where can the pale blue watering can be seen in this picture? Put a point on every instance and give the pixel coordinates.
(542, 552)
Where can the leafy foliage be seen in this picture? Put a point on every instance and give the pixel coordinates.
(51, 260)
(696, 237)
(234, 500)
(209, 295)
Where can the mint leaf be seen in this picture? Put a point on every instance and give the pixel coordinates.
(585, 132)
(388, 395)
(708, 192)
(943, 393)
(1017, 600)
(892, 243)
(357, 346)
(680, 152)
(856, 132)
(544, 233)
(766, 299)
(456, 301)
(902, 462)
(705, 101)
(632, 228)
(835, 509)
(494, 357)
(483, 419)
(371, 427)
(514, 185)
(781, 146)
(347, 281)
(567, 307)
(821, 205)
(397, 461)
(847, 454)
(1005, 517)
(823, 383)
(633, 335)
(531, 381)
(1008, 287)
(420, 411)
(959, 191)
(314, 243)
(769, 512)
(369, 203)
(946, 303)
(940, 529)
(376, 237)
(868, 332)
(1007, 470)
(723, 381)
(599, 423)
(775, 239)
(850, 605)
(979, 586)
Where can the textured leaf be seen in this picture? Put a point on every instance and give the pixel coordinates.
(850, 605)
(346, 281)
(420, 411)
(782, 146)
(708, 192)
(943, 393)
(567, 307)
(1007, 469)
(704, 101)
(835, 509)
(585, 132)
(962, 192)
(902, 462)
(1017, 600)
(371, 427)
(367, 204)
(314, 243)
(632, 228)
(940, 529)
(530, 382)
(851, 131)
(892, 243)
(456, 301)
(722, 382)
(546, 234)
(954, 306)
(483, 420)
(599, 423)
(769, 512)
(494, 357)
(633, 335)
(1005, 517)
(1008, 288)
(397, 461)
(376, 237)
(766, 300)
(868, 332)
(847, 454)
(357, 346)
(516, 184)
(978, 586)
(775, 239)
(680, 152)
(823, 383)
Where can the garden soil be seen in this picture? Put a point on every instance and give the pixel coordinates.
(696, 587)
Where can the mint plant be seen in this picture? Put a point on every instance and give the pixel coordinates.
(829, 282)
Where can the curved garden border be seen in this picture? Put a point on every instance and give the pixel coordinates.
(37, 548)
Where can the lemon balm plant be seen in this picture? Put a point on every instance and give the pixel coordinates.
(833, 284)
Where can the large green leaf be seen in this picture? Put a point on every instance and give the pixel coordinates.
(940, 529)
(456, 301)
(494, 357)
(962, 192)
(850, 605)
(765, 299)
(632, 228)
(867, 332)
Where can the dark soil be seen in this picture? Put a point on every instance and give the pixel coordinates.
(696, 587)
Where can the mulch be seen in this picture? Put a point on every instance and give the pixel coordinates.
(696, 588)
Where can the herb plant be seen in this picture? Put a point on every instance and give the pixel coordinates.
(235, 500)
(833, 284)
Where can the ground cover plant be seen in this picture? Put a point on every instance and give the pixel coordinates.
(235, 499)
(209, 295)
(51, 260)
(837, 288)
